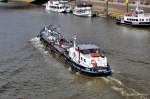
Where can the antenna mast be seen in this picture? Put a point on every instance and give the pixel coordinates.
(137, 4)
(74, 41)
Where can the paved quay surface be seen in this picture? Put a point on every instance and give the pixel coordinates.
(114, 8)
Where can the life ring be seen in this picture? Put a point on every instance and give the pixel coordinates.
(93, 62)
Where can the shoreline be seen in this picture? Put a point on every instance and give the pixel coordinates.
(116, 3)
(114, 10)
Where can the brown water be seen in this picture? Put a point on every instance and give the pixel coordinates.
(27, 70)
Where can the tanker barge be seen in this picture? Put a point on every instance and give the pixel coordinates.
(85, 58)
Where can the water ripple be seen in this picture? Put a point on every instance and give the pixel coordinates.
(125, 91)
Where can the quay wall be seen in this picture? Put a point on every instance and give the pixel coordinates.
(114, 8)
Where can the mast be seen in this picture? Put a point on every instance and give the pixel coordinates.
(74, 40)
(137, 4)
(74, 45)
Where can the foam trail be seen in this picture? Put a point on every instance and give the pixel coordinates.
(38, 45)
(119, 87)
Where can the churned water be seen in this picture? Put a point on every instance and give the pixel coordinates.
(29, 71)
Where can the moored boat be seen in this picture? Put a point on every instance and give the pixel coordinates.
(68, 7)
(83, 9)
(58, 6)
(136, 17)
(85, 58)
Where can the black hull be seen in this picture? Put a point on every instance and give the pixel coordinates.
(101, 71)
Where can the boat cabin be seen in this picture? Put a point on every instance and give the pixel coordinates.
(88, 48)
(88, 55)
(138, 13)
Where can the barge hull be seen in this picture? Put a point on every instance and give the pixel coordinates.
(105, 71)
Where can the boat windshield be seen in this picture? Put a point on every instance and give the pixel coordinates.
(139, 12)
(88, 51)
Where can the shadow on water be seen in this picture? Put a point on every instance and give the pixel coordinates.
(16, 5)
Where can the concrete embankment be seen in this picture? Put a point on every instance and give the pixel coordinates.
(114, 9)
(100, 7)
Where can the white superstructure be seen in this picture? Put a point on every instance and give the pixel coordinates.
(87, 55)
(83, 10)
(55, 5)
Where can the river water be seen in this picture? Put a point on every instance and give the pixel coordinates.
(28, 71)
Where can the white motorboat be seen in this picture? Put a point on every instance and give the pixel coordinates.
(55, 6)
(83, 10)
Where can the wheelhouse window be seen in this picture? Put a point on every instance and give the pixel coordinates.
(88, 51)
(139, 12)
(140, 19)
(60, 7)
